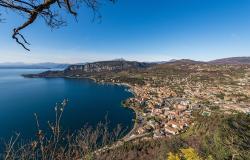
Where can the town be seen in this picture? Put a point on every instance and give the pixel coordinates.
(164, 105)
(157, 113)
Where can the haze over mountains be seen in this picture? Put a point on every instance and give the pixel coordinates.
(20, 65)
(85, 70)
(232, 60)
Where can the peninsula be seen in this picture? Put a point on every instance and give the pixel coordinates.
(167, 94)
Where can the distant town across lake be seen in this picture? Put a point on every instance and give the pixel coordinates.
(89, 103)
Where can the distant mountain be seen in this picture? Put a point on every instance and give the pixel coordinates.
(184, 61)
(118, 59)
(103, 66)
(178, 61)
(20, 65)
(172, 60)
(232, 60)
(94, 68)
(157, 62)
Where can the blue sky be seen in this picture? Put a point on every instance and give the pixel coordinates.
(143, 30)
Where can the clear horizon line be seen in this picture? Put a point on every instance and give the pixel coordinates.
(30, 63)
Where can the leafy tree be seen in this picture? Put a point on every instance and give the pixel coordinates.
(172, 156)
(187, 154)
(190, 154)
(209, 158)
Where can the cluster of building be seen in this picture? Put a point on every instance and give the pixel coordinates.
(162, 113)
(233, 94)
(158, 112)
(165, 101)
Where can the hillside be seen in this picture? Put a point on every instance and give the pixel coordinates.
(184, 61)
(85, 70)
(220, 136)
(103, 66)
(178, 105)
(232, 60)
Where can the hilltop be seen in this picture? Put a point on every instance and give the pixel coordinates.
(105, 66)
(183, 61)
(87, 69)
(232, 60)
(101, 69)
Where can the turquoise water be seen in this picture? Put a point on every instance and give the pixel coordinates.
(89, 102)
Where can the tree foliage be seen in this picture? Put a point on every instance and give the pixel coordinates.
(190, 154)
(172, 156)
(187, 154)
(45, 9)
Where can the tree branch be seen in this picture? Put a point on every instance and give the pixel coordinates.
(35, 8)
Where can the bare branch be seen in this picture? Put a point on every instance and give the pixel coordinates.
(85, 142)
(69, 8)
(35, 8)
(10, 145)
(1, 19)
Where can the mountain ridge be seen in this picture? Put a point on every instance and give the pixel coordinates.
(81, 70)
(231, 60)
(88, 69)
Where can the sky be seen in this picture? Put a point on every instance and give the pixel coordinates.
(141, 30)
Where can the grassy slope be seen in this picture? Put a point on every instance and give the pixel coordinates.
(219, 135)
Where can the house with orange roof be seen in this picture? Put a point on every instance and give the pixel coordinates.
(171, 130)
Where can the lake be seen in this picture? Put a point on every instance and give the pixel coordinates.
(89, 103)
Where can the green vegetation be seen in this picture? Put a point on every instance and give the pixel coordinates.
(214, 134)
(217, 137)
(186, 154)
(220, 95)
(222, 136)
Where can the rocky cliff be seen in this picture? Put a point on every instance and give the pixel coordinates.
(107, 66)
(84, 70)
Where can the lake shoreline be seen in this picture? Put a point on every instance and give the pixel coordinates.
(127, 87)
(89, 102)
